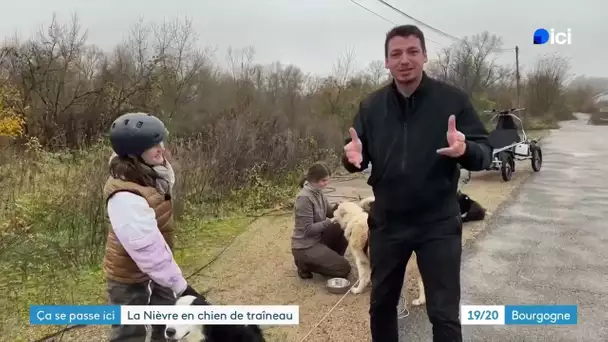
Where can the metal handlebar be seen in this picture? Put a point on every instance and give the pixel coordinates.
(505, 111)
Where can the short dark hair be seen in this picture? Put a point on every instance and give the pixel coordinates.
(404, 31)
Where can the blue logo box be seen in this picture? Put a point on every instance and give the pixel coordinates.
(541, 314)
(74, 314)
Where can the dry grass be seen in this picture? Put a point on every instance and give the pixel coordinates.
(197, 247)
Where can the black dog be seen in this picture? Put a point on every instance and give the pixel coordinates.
(470, 210)
(210, 333)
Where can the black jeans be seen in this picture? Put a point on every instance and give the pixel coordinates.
(438, 248)
(147, 293)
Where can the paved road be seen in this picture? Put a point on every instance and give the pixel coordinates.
(550, 246)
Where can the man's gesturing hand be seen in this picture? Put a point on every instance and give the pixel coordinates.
(354, 149)
(456, 141)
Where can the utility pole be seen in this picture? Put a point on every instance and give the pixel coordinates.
(517, 72)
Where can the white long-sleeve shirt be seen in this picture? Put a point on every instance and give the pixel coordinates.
(135, 226)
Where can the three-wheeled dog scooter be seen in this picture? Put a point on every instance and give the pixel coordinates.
(510, 143)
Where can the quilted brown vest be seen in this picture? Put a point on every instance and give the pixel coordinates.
(117, 263)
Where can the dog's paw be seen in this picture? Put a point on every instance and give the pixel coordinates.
(356, 290)
(418, 302)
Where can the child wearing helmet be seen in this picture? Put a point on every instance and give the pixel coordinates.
(138, 262)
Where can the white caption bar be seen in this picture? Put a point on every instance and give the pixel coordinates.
(210, 314)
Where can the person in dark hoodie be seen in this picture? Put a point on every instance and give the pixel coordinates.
(415, 131)
(317, 244)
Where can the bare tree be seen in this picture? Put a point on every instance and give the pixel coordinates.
(344, 67)
(240, 62)
(284, 85)
(470, 64)
(545, 85)
(181, 62)
(376, 72)
(130, 74)
(55, 79)
(333, 87)
(243, 75)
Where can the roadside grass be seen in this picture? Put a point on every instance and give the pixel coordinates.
(53, 228)
(199, 243)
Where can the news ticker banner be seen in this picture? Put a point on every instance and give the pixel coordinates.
(518, 314)
(273, 314)
(164, 314)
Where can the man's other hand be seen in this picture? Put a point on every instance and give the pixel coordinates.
(456, 141)
(354, 149)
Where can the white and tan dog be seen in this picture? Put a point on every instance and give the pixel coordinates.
(353, 220)
(352, 217)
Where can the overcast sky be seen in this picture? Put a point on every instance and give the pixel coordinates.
(313, 33)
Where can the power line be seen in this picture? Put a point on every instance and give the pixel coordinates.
(384, 18)
(418, 21)
(447, 35)
(516, 49)
(433, 28)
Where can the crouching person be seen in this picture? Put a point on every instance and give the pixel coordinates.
(138, 263)
(317, 244)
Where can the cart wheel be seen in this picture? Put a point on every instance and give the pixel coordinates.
(507, 166)
(537, 157)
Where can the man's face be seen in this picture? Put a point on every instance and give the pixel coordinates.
(405, 58)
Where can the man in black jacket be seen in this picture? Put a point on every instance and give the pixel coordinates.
(415, 132)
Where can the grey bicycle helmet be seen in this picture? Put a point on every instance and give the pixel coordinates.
(134, 133)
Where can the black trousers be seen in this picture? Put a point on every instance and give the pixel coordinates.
(326, 257)
(147, 293)
(438, 248)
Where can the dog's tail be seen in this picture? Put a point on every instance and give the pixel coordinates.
(366, 203)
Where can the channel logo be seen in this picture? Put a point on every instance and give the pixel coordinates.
(543, 36)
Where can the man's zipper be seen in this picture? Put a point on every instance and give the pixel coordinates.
(404, 157)
(408, 107)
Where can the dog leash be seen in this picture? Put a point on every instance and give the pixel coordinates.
(402, 314)
(404, 311)
(330, 311)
